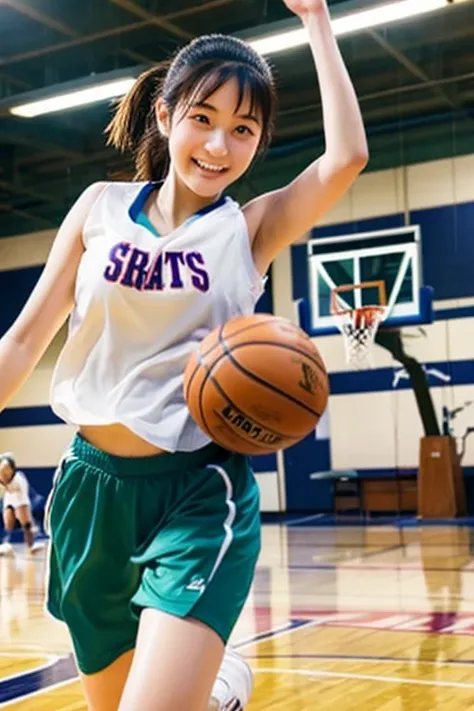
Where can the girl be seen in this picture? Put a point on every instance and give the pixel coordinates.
(16, 505)
(146, 270)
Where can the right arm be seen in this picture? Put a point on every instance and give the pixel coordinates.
(50, 303)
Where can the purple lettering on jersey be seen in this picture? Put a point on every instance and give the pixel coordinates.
(154, 280)
(140, 270)
(117, 256)
(200, 280)
(175, 259)
(135, 274)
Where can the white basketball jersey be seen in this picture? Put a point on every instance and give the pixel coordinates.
(142, 305)
(18, 486)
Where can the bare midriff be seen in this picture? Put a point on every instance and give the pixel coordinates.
(118, 440)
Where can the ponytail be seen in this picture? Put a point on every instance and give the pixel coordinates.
(134, 127)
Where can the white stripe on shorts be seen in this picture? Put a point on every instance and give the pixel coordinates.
(229, 536)
(67, 456)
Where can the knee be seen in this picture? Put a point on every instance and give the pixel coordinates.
(27, 526)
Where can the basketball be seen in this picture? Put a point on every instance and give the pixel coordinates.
(256, 384)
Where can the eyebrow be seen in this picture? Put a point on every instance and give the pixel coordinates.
(210, 107)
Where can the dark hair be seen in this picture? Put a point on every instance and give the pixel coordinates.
(197, 71)
(10, 461)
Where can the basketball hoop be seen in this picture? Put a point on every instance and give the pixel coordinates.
(359, 325)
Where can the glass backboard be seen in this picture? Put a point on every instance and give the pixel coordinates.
(392, 256)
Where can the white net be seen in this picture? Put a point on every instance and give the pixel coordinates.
(358, 328)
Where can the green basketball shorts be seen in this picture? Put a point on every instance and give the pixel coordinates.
(176, 532)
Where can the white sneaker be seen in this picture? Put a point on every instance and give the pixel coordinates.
(37, 546)
(234, 683)
(6, 549)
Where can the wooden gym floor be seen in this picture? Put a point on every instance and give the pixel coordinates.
(346, 617)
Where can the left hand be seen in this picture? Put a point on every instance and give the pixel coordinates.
(305, 7)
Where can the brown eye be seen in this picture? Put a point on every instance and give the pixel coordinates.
(201, 118)
(244, 130)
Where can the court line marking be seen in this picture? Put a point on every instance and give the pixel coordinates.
(294, 521)
(368, 660)
(45, 689)
(263, 636)
(277, 633)
(367, 677)
(375, 567)
(446, 632)
(51, 661)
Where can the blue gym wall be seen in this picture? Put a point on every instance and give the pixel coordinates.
(371, 425)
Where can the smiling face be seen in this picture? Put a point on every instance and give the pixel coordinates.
(212, 140)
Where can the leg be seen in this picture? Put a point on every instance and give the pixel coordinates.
(175, 664)
(23, 514)
(8, 524)
(8, 519)
(104, 689)
(231, 689)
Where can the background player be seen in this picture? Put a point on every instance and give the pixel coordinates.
(16, 505)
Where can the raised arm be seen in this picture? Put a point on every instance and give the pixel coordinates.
(50, 302)
(279, 218)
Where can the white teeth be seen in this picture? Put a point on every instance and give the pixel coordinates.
(208, 166)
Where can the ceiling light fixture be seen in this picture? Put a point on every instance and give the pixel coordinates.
(73, 99)
(350, 23)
